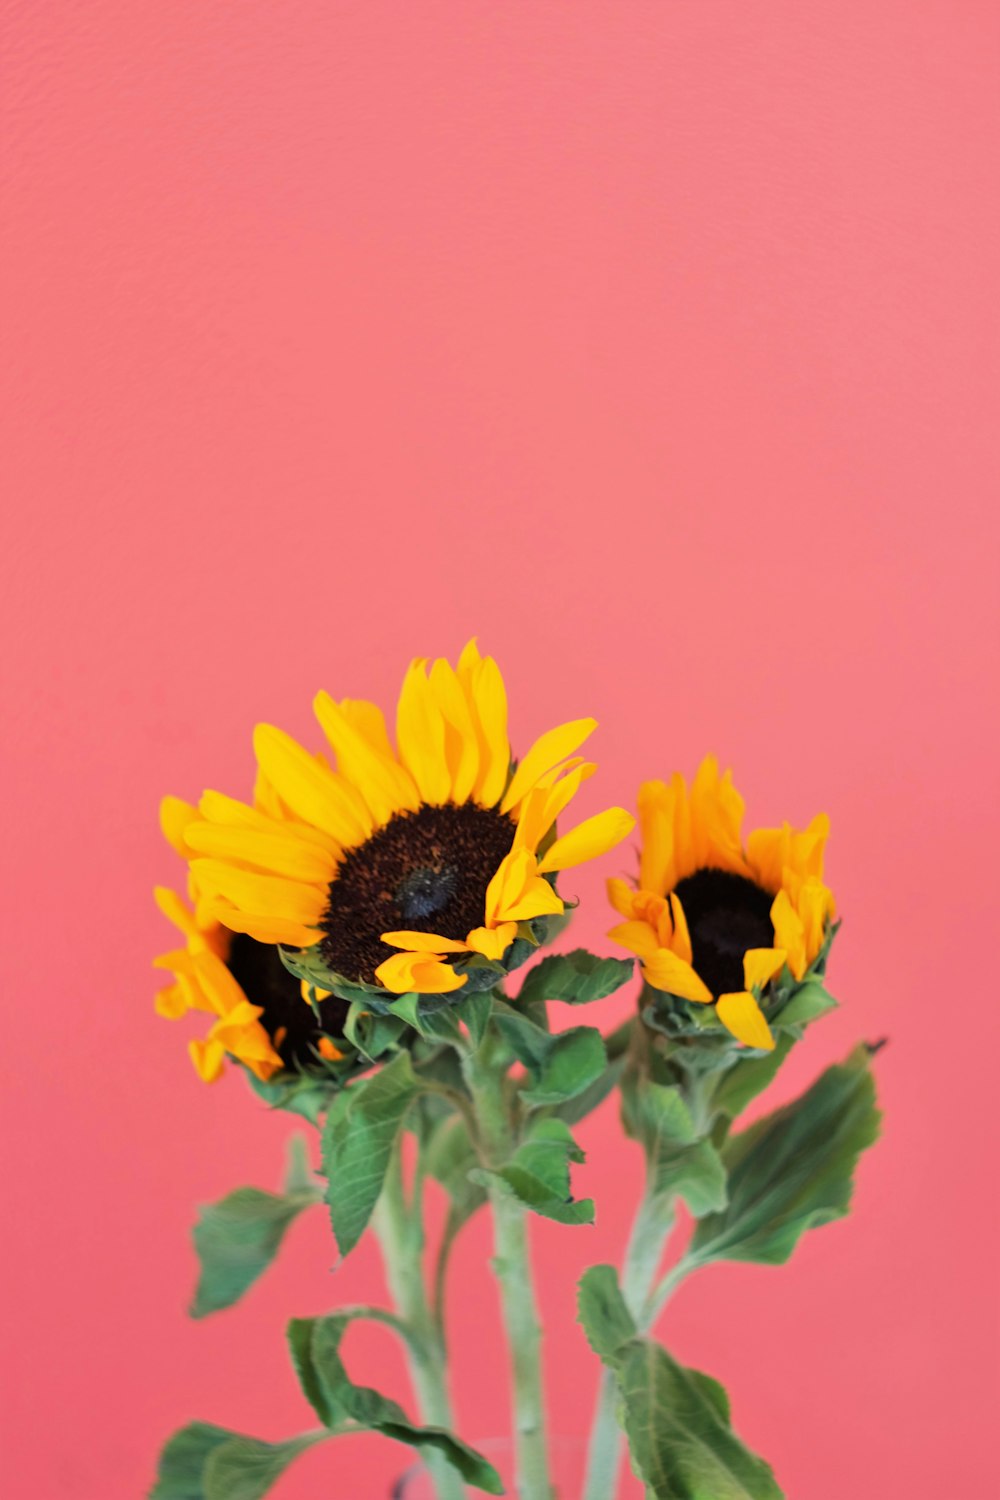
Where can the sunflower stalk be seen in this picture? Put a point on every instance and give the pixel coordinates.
(399, 1227)
(512, 1268)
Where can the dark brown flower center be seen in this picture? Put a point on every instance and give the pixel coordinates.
(288, 1019)
(726, 915)
(425, 871)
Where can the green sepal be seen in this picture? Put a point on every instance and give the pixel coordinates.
(793, 1170)
(315, 1347)
(304, 1094)
(677, 1420)
(373, 1032)
(359, 1134)
(308, 964)
(205, 1462)
(680, 1162)
(537, 1175)
(237, 1238)
(431, 1017)
(577, 978)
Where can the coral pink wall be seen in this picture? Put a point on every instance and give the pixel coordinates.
(657, 344)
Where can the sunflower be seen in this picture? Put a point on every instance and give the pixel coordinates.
(715, 921)
(421, 868)
(286, 1025)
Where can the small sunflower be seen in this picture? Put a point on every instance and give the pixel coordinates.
(403, 869)
(287, 1026)
(714, 921)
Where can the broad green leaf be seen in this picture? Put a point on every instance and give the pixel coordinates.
(679, 1434)
(237, 1238)
(475, 1011)
(560, 1066)
(204, 1462)
(677, 1420)
(577, 978)
(601, 1309)
(572, 1111)
(358, 1138)
(679, 1162)
(537, 1175)
(315, 1344)
(793, 1170)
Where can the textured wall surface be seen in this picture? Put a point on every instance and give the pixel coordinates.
(657, 344)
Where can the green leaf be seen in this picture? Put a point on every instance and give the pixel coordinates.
(316, 1344)
(204, 1462)
(537, 1175)
(475, 1011)
(373, 1032)
(677, 1420)
(305, 1094)
(237, 1238)
(432, 1018)
(680, 1438)
(581, 1105)
(358, 1138)
(578, 978)
(601, 1309)
(793, 1170)
(679, 1162)
(561, 1065)
(747, 1077)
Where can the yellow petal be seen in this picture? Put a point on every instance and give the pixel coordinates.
(741, 1015)
(492, 942)
(208, 1059)
(265, 929)
(310, 789)
(171, 1002)
(277, 851)
(760, 966)
(622, 897)
(422, 942)
(385, 785)
(175, 815)
(665, 971)
(517, 893)
(418, 973)
(664, 823)
(589, 839)
(262, 895)
(680, 942)
(176, 911)
(484, 688)
(816, 908)
(369, 721)
(326, 1049)
(638, 937)
(789, 933)
(420, 732)
(461, 746)
(550, 748)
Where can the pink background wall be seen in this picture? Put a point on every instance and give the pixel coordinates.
(657, 345)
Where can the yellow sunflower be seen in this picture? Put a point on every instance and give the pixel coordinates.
(714, 920)
(216, 971)
(411, 868)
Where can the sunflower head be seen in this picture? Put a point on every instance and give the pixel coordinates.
(374, 867)
(728, 929)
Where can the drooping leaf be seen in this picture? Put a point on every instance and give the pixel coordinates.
(679, 1161)
(577, 978)
(237, 1238)
(537, 1175)
(676, 1420)
(358, 1138)
(794, 1169)
(560, 1065)
(204, 1462)
(315, 1344)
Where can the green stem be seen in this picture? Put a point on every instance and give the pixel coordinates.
(512, 1267)
(650, 1229)
(400, 1230)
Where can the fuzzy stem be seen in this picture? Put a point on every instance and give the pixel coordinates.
(650, 1229)
(512, 1267)
(400, 1230)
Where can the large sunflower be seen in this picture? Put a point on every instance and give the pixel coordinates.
(712, 920)
(406, 869)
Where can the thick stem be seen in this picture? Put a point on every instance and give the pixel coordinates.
(642, 1257)
(400, 1230)
(512, 1267)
